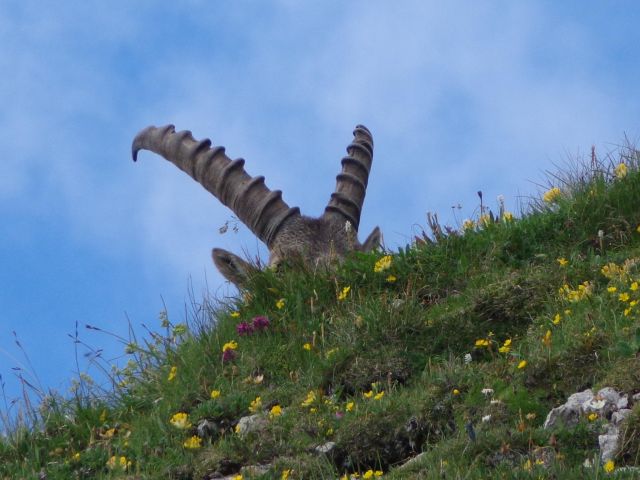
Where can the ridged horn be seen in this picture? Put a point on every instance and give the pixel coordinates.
(351, 184)
(260, 209)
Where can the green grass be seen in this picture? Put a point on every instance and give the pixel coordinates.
(381, 373)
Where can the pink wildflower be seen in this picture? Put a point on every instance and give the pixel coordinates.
(260, 323)
(228, 355)
(243, 328)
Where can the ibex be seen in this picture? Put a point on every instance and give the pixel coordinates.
(289, 235)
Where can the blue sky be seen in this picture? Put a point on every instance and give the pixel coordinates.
(459, 96)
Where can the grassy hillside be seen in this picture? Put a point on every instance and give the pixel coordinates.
(455, 348)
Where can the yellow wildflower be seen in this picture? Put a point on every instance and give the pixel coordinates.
(470, 225)
(109, 433)
(623, 297)
(238, 477)
(546, 340)
(609, 466)
(484, 220)
(172, 373)
(556, 319)
(391, 278)
(280, 304)
(307, 346)
(343, 294)
(255, 405)
(627, 312)
(621, 171)
(76, 457)
(311, 398)
(368, 474)
(235, 314)
(552, 195)
(285, 475)
(383, 264)
(193, 442)
(506, 346)
(118, 462)
(482, 342)
(232, 345)
(331, 353)
(592, 417)
(215, 394)
(368, 394)
(275, 411)
(350, 406)
(612, 289)
(522, 364)
(634, 286)
(456, 391)
(180, 420)
(507, 217)
(562, 261)
(379, 395)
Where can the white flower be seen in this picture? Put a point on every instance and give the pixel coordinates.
(595, 404)
(487, 391)
(467, 358)
(486, 418)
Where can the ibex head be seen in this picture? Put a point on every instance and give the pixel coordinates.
(288, 234)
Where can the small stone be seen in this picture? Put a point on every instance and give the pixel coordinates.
(608, 445)
(569, 413)
(411, 461)
(325, 448)
(254, 470)
(252, 423)
(620, 415)
(623, 402)
(609, 395)
(207, 429)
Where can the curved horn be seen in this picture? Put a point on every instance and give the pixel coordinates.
(351, 184)
(259, 208)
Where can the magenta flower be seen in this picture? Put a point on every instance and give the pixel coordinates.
(243, 328)
(260, 323)
(228, 355)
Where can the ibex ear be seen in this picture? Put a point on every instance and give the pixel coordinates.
(373, 241)
(232, 267)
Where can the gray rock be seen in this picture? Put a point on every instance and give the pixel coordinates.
(623, 402)
(207, 429)
(252, 423)
(569, 413)
(608, 444)
(609, 395)
(325, 448)
(620, 415)
(255, 470)
(411, 461)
